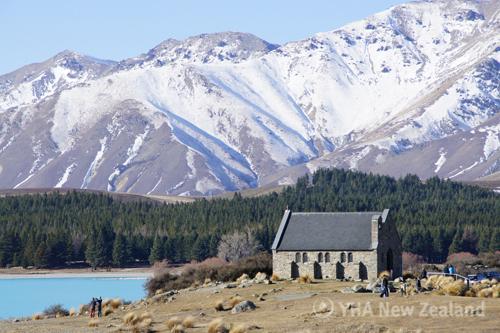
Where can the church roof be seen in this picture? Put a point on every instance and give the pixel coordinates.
(300, 231)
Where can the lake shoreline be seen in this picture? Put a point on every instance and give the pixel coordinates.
(18, 273)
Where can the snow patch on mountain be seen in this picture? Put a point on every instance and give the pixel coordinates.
(441, 160)
(65, 176)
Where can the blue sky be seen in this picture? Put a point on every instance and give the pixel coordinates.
(34, 30)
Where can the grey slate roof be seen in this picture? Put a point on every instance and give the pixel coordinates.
(326, 231)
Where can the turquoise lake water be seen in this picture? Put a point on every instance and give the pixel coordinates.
(24, 297)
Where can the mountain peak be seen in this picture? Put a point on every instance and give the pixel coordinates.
(205, 48)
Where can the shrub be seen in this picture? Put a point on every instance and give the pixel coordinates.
(463, 258)
(411, 261)
(188, 322)
(217, 326)
(275, 277)
(37, 316)
(213, 270)
(56, 310)
(72, 312)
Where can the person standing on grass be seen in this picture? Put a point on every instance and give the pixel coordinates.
(92, 307)
(99, 307)
(384, 288)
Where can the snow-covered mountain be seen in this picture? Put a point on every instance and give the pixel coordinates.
(411, 89)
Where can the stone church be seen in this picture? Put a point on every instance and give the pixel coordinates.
(337, 245)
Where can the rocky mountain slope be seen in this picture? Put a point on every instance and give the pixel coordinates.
(411, 89)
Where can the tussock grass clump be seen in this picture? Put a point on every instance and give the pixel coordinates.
(275, 277)
(93, 323)
(239, 328)
(107, 312)
(172, 322)
(217, 326)
(82, 309)
(456, 288)
(37, 316)
(115, 303)
(177, 329)
(188, 322)
(72, 312)
(305, 279)
(233, 301)
(130, 318)
(485, 293)
(219, 305)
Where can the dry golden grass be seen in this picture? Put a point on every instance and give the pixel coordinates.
(72, 312)
(107, 312)
(105, 302)
(115, 303)
(470, 293)
(177, 329)
(144, 316)
(188, 322)
(145, 322)
(217, 326)
(275, 277)
(93, 323)
(305, 279)
(37, 316)
(172, 322)
(219, 305)
(239, 328)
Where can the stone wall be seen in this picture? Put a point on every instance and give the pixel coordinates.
(363, 265)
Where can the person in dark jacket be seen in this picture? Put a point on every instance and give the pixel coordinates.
(423, 275)
(446, 269)
(384, 288)
(92, 307)
(99, 307)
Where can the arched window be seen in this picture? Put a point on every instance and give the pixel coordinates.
(304, 257)
(349, 257)
(342, 257)
(327, 257)
(297, 257)
(320, 257)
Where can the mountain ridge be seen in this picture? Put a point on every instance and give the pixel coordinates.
(417, 83)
